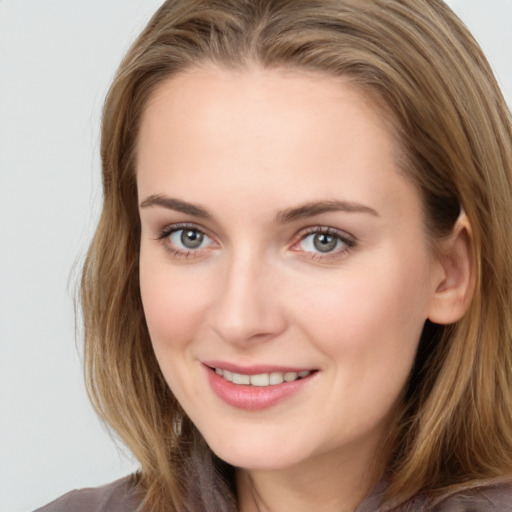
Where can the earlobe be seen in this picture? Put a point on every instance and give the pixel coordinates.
(454, 289)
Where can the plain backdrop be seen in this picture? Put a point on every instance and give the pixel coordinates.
(57, 58)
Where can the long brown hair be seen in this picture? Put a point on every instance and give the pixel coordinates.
(422, 65)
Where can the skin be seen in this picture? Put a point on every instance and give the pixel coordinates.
(245, 147)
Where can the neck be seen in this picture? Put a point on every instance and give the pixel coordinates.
(333, 484)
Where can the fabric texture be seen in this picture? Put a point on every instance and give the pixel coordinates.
(489, 497)
(122, 496)
(119, 496)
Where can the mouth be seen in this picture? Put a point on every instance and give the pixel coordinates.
(258, 387)
(261, 379)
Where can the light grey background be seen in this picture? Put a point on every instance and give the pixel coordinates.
(57, 58)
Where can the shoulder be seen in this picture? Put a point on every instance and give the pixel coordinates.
(118, 496)
(488, 496)
(494, 497)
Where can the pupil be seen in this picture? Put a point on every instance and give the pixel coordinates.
(191, 239)
(324, 242)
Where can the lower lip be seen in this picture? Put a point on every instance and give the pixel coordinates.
(253, 398)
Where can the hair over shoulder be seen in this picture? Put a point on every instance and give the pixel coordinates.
(420, 63)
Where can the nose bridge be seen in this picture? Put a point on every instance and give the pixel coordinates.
(246, 306)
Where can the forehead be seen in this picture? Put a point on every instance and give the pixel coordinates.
(242, 90)
(256, 130)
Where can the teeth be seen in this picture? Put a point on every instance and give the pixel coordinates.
(276, 378)
(290, 376)
(239, 378)
(261, 379)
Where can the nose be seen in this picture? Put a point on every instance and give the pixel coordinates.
(246, 307)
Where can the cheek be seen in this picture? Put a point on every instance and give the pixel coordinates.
(173, 309)
(371, 317)
(172, 305)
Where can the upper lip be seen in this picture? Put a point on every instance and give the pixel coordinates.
(256, 368)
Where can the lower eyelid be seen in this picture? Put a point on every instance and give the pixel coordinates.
(178, 253)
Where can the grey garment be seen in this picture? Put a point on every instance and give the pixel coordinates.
(121, 496)
(489, 497)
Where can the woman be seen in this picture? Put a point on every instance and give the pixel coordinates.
(298, 293)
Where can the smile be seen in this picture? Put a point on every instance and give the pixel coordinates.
(261, 379)
(257, 387)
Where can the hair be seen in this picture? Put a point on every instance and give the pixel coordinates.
(422, 65)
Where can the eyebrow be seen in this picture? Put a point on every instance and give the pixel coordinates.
(175, 204)
(318, 207)
(285, 216)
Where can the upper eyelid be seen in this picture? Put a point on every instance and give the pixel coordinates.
(170, 228)
(325, 229)
(298, 237)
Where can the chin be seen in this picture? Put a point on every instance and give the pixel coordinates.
(256, 462)
(249, 454)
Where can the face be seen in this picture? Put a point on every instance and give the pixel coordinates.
(285, 271)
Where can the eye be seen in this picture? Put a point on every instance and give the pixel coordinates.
(185, 240)
(188, 239)
(323, 240)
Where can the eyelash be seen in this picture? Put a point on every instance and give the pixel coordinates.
(180, 253)
(347, 240)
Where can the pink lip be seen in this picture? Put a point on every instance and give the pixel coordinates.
(253, 398)
(253, 369)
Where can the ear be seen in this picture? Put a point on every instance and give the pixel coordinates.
(455, 282)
